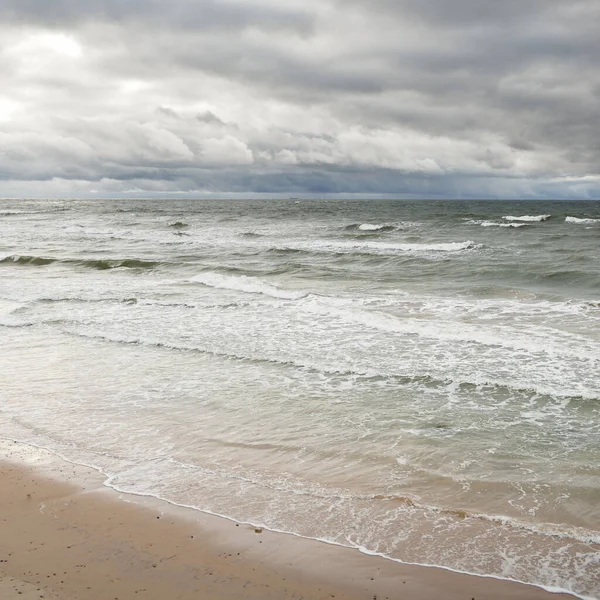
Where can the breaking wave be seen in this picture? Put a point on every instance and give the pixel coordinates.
(243, 283)
(582, 221)
(528, 218)
(378, 248)
(378, 227)
(494, 224)
(465, 383)
(27, 260)
(375, 227)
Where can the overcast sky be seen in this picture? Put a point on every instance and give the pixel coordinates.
(455, 98)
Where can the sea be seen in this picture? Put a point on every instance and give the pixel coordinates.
(415, 379)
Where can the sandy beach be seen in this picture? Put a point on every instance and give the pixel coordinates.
(65, 536)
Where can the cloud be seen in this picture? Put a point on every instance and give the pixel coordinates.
(222, 15)
(428, 97)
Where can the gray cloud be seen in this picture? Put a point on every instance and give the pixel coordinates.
(221, 15)
(428, 97)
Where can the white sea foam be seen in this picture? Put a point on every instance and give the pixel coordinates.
(493, 224)
(243, 283)
(459, 331)
(527, 218)
(380, 248)
(582, 221)
(373, 227)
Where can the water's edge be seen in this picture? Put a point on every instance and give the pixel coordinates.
(49, 466)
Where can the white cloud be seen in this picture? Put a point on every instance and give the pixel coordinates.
(226, 150)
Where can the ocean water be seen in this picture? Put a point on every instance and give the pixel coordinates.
(417, 379)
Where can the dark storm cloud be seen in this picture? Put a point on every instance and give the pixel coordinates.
(441, 98)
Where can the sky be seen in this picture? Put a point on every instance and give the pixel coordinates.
(413, 98)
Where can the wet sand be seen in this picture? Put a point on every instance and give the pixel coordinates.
(62, 539)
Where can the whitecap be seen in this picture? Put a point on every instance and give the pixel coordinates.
(494, 224)
(373, 226)
(380, 248)
(527, 218)
(582, 221)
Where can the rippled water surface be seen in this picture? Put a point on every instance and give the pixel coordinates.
(418, 379)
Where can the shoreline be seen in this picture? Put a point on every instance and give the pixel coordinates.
(67, 535)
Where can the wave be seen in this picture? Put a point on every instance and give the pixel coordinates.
(378, 227)
(494, 224)
(554, 530)
(570, 276)
(591, 304)
(285, 250)
(100, 264)
(129, 263)
(528, 218)
(138, 301)
(366, 228)
(27, 260)
(452, 331)
(377, 248)
(365, 375)
(582, 221)
(243, 283)
(571, 532)
(375, 227)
